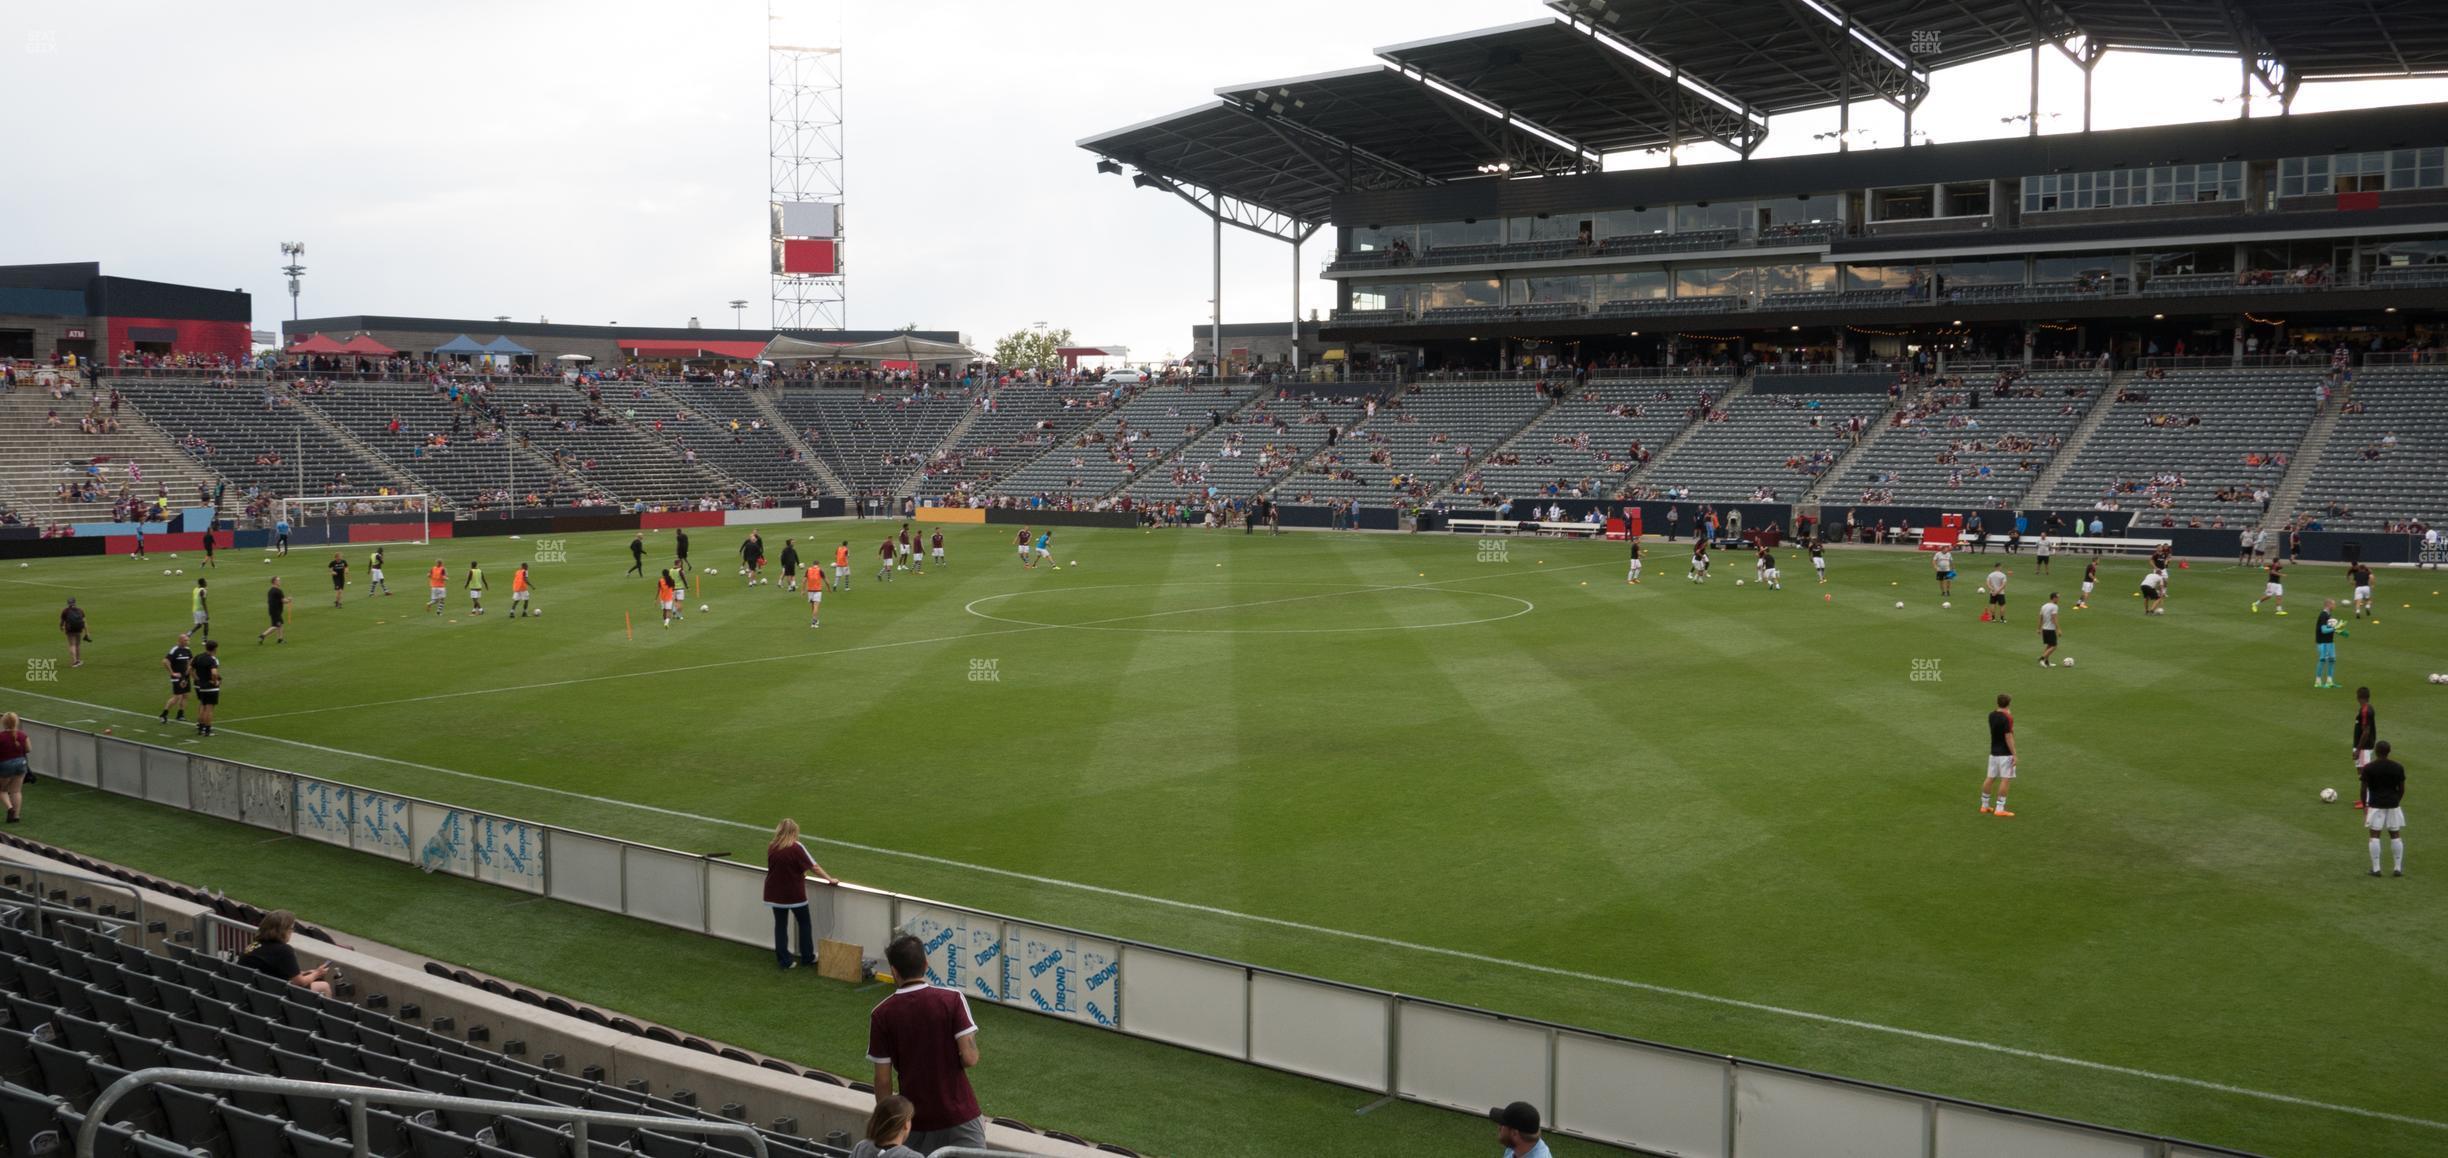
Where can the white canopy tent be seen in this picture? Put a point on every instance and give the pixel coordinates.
(898, 348)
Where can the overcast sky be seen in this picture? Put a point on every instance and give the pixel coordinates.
(605, 160)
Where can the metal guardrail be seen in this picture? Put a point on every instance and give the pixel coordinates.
(357, 1098)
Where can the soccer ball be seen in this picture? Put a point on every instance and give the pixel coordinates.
(706, 607)
(182, 570)
(535, 611)
(1739, 583)
(174, 554)
(2068, 661)
(2328, 795)
(1899, 603)
(166, 571)
(1944, 604)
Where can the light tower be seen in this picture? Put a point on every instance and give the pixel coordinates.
(293, 250)
(803, 100)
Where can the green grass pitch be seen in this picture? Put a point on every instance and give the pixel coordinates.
(1499, 776)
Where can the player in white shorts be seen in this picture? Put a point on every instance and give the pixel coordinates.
(2384, 785)
(2001, 757)
(938, 549)
(1774, 576)
(1633, 575)
(1818, 554)
(815, 593)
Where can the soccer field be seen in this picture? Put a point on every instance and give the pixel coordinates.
(1726, 818)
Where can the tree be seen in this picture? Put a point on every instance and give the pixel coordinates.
(1031, 349)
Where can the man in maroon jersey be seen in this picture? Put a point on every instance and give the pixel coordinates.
(922, 1035)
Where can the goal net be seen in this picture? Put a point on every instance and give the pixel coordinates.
(320, 512)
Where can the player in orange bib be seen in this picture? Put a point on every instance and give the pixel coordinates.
(667, 595)
(520, 590)
(815, 592)
(437, 581)
(841, 566)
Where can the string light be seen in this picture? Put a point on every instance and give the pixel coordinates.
(1711, 337)
(2264, 321)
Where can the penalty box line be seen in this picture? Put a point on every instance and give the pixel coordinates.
(1364, 938)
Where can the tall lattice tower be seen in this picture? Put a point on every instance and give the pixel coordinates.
(803, 94)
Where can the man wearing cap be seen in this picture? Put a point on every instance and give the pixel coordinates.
(1517, 1130)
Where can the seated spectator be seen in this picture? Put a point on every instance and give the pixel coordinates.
(887, 1128)
(273, 957)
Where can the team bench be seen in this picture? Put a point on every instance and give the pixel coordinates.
(2067, 544)
(1524, 527)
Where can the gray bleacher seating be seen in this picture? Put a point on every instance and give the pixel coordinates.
(35, 458)
(1583, 445)
(727, 430)
(626, 462)
(1251, 451)
(1013, 425)
(462, 472)
(873, 438)
(1150, 425)
(2244, 411)
(1727, 461)
(1904, 462)
(237, 421)
(1429, 434)
(2375, 483)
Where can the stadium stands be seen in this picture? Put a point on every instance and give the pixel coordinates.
(1254, 448)
(1024, 420)
(261, 439)
(1949, 451)
(2172, 445)
(1416, 444)
(1769, 447)
(731, 433)
(874, 439)
(1584, 445)
(465, 467)
(612, 455)
(37, 458)
(2387, 458)
(1142, 431)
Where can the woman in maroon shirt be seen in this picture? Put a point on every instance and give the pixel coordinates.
(787, 865)
(13, 764)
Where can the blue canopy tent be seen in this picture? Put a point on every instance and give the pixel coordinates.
(461, 345)
(506, 348)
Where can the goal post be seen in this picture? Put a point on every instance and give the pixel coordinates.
(321, 511)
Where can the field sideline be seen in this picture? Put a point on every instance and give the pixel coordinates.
(1728, 819)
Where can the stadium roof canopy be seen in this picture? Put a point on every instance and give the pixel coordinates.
(1601, 76)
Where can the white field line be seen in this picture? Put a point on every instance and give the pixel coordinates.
(1365, 938)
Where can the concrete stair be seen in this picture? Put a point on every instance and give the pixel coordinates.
(832, 483)
(34, 458)
(2038, 494)
(2288, 494)
(1691, 429)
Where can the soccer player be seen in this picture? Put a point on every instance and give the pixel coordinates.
(72, 624)
(667, 595)
(2154, 592)
(2244, 548)
(938, 547)
(752, 557)
(276, 609)
(2384, 788)
(2275, 589)
(1773, 576)
(841, 566)
(902, 546)
(280, 536)
(522, 589)
(374, 575)
(2366, 734)
(1818, 553)
(2326, 631)
(2362, 589)
(175, 662)
(339, 573)
(815, 594)
(203, 614)
(1633, 576)
(1942, 564)
(437, 583)
(475, 588)
(637, 555)
(1026, 564)
(680, 549)
(2001, 757)
(2048, 629)
(1995, 585)
(1045, 544)
(2041, 553)
(1761, 561)
(884, 571)
(1699, 561)
(2082, 602)
(205, 670)
(209, 560)
(790, 565)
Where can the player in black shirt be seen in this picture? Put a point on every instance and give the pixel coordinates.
(72, 624)
(339, 570)
(374, 576)
(752, 557)
(2001, 756)
(790, 565)
(682, 554)
(2366, 732)
(206, 671)
(2384, 785)
(637, 555)
(2274, 589)
(276, 608)
(175, 662)
(2361, 573)
(1818, 553)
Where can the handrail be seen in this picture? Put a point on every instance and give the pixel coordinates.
(359, 1097)
(975, 1152)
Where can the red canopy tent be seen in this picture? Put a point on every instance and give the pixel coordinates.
(365, 344)
(316, 344)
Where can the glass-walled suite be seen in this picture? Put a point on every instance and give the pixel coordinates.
(2194, 259)
(1749, 219)
(1416, 296)
(2397, 252)
(2382, 172)
(2120, 188)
